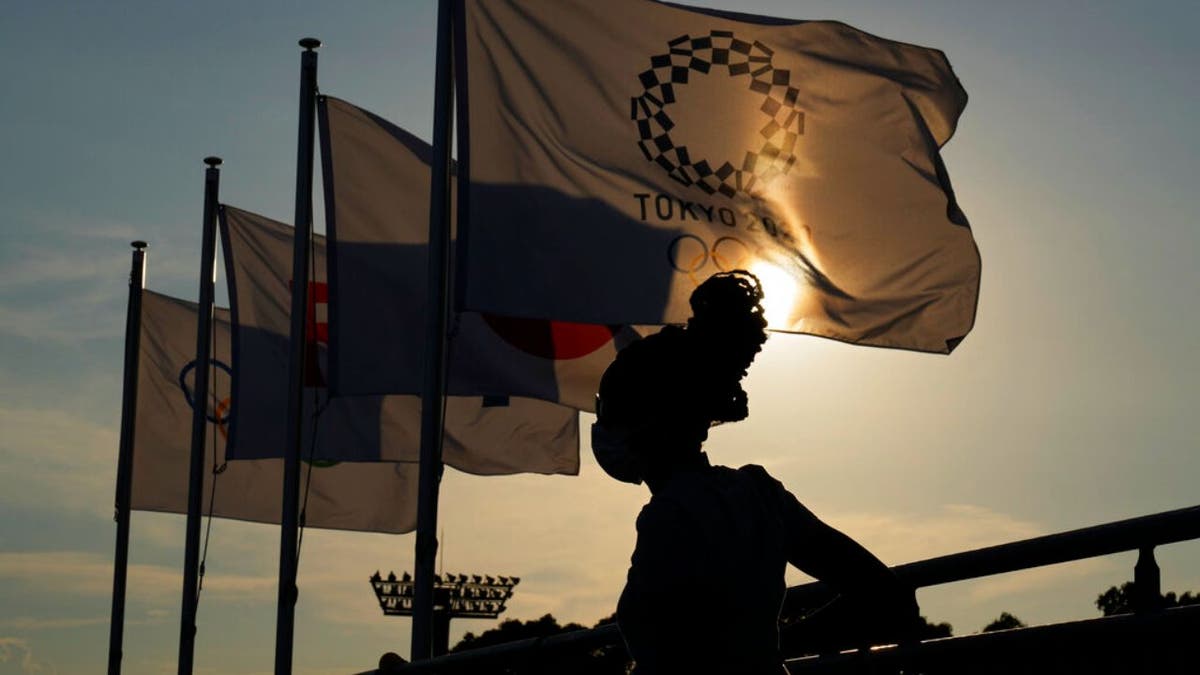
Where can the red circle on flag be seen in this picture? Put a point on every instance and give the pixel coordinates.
(556, 340)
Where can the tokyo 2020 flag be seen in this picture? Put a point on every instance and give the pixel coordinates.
(482, 435)
(614, 155)
(370, 497)
(377, 214)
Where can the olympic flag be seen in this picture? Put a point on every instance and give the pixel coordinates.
(377, 214)
(614, 155)
(342, 496)
(494, 435)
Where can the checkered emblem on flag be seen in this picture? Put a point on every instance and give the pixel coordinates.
(616, 154)
(722, 49)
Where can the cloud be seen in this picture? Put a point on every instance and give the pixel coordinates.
(899, 538)
(26, 623)
(1036, 595)
(1005, 586)
(70, 286)
(333, 585)
(104, 231)
(52, 459)
(18, 650)
(86, 313)
(78, 573)
(75, 226)
(38, 265)
(73, 247)
(953, 529)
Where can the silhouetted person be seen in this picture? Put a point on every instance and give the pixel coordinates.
(706, 582)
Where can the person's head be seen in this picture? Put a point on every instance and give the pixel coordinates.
(659, 397)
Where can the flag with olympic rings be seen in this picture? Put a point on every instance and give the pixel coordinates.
(342, 496)
(614, 155)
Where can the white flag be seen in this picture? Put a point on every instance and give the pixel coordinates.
(377, 215)
(370, 497)
(483, 435)
(614, 155)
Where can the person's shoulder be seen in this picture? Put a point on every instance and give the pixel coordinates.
(756, 473)
(658, 512)
(765, 482)
(748, 473)
(675, 507)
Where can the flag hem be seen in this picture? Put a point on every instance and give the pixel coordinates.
(458, 45)
(331, 267)
(234, 351)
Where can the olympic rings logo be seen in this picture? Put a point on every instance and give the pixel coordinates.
(221, 412)
(689, 254)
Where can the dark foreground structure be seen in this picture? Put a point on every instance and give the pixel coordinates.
(1151, 640)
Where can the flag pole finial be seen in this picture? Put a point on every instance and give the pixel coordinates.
(138, 244)
(310, 43)
(212, 162)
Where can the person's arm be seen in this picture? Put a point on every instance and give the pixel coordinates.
(873, 607)
(829, 555)
(878, 604)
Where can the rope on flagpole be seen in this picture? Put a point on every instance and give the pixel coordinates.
(216, 471)
(318, 410)
(312, 447)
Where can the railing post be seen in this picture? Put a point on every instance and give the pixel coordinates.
(441, 631)
(1147, 591)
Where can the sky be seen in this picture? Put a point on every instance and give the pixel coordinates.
(1072, 402)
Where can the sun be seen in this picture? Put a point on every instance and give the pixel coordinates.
(779, 293)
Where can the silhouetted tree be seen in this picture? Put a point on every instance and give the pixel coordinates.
(612, 660)
(1121, 600)
(1004, 622)
(514, 629)
(930, 631)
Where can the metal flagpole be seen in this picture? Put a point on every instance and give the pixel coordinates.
(434, 388)
(285, 617)
(191, 556)
(133, 331)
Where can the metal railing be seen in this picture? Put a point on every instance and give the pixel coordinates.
(1134, 534)
(1142, 534)
(1158, 642)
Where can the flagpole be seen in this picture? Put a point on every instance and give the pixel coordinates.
(285, 617)
(133, 333)
(191, 556)
(434, 388)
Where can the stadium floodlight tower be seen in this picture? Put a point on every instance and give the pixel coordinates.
(455, 596)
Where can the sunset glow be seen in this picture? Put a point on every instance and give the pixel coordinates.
(780, 292)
